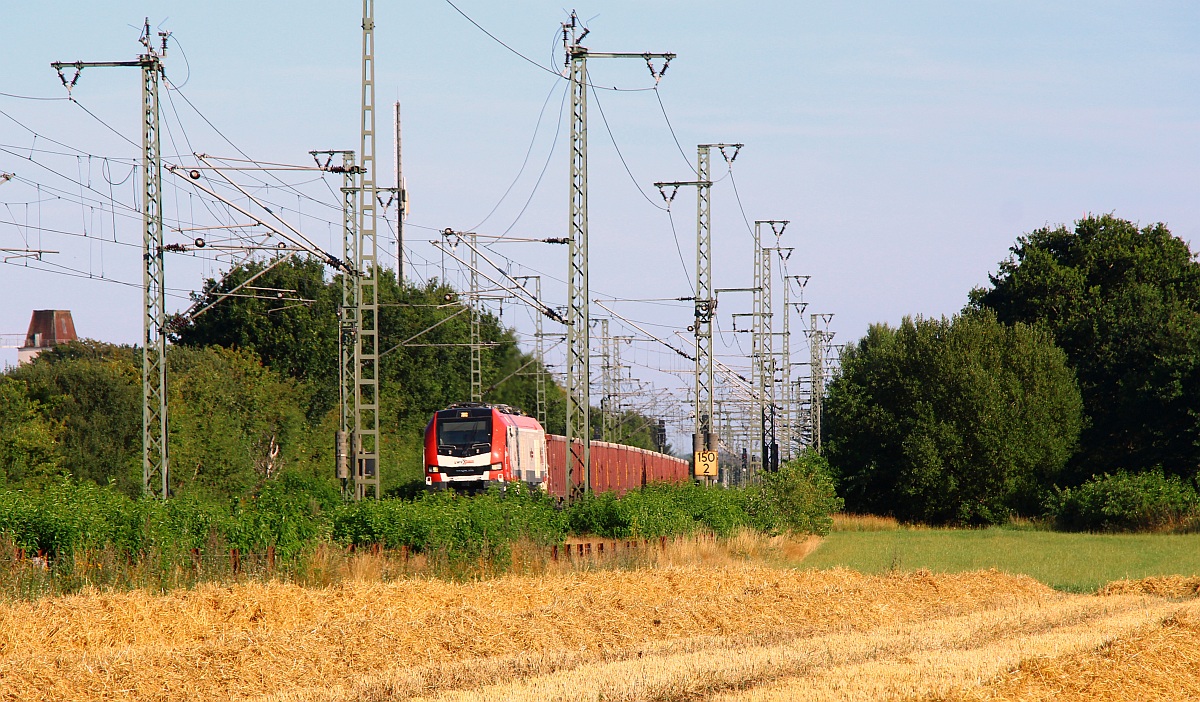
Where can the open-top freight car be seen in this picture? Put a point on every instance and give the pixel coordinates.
(472, 445)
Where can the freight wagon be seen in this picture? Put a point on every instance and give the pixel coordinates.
(473, 445)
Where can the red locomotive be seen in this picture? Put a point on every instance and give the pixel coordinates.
(471, 445)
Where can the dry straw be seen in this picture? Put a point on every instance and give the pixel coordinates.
(672, 632)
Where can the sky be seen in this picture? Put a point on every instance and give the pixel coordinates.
(909, 144)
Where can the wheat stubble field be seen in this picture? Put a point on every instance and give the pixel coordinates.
(724, 631)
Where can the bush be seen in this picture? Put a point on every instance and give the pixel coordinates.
(800, 497)
(454, 526)
(1126, 502)
(660, 510)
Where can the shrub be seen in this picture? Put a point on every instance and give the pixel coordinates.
(660, 510)
(1125, 502)
(457, 527)
(800, 497)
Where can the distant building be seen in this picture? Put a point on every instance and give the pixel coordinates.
(47, 328)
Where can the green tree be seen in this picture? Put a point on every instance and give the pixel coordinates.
(1124, 303)
(424, 357)
(234, 422)
(91, 390)
(951, 420)
(28, 439)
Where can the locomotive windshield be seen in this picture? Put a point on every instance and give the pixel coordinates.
(465, 432)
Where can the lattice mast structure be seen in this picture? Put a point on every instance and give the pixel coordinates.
(401, 200)
(703, 436)
(578, 323)
(346, 436)
(539, 347)
(761, 348)
(775, 361)
(476, 321)
(819, 337)
(762, 355)
(607, 393)
(155, 452)
(366, 265)
(791, 399)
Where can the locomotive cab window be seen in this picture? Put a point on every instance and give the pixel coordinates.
(464, 432)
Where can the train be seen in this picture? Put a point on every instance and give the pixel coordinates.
(470, 446)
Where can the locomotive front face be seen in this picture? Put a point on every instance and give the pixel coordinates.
(459, 447)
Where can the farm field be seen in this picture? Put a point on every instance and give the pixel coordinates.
(1064, 561)
(678, 632)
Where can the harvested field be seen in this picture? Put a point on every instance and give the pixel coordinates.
(672, 633)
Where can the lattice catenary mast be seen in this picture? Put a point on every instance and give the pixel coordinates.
(703, 438)
(155, 454)
(366, 265)
(578, 327)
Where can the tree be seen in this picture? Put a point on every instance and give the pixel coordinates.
(424, 357)
(234, 422)
(957, 420)
(1124, 303)
(28, 439)
(91, 391)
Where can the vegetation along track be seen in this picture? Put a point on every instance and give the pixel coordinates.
(673, 633)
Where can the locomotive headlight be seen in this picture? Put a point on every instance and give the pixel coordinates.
(433, 469)
(497, 466)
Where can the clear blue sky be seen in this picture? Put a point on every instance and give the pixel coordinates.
(909, 143)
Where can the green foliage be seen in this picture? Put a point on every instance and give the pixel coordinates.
(799, 497)
(950, 421)
(292, 514)
(90, 392)
(452, 526)
(1148, 501)
(27, 437)
(1124, 304)
(234, 422)
(653, 511)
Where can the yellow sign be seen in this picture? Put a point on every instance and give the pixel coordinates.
(706, 464)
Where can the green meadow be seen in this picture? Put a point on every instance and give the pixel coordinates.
(1065, 561)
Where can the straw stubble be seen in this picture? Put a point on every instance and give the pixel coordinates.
(667, 633)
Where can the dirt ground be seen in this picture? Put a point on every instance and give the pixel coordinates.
(720, 632)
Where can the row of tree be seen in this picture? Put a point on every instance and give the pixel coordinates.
(253, 388)
(1082, 358)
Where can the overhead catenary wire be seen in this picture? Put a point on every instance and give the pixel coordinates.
(532, 62)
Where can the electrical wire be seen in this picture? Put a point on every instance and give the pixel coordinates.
(612, 138)
(530, 61)
(186, 63)
(528, 152)
(107, 126)
(671, 127)
(31, 97)
(537, 184)
(738, 196)
(499, 41)
(679, 249)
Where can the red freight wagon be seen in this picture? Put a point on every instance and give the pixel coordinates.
(471, 445)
